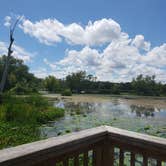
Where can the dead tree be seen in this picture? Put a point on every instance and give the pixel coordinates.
(7, 61)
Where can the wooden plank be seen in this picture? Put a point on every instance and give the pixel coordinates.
(155, 145)
(86, 158)
(158, 163)
(66, 162)
(145, 160)
(132, 160)
(107, 154)
(121, 158)
(76, 160)
(97, 156)
(33, 153)
(138, 148)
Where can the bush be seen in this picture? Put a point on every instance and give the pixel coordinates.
(50, 114)
(37, 101)
(20, 90)
(20, 113)
(32, 109)
(66, 92)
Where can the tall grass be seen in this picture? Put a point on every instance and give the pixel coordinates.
(32, 109)
(20, 118)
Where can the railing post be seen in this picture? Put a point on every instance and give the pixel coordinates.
(108, 154)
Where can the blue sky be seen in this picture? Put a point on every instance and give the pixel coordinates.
(112, 39)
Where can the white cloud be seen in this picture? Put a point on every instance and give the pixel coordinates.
(119, 62)
(139, 42)
(122, 58)
(18, 52)
(7, 21)
(40, 72)
(51, 31)
(51, 65)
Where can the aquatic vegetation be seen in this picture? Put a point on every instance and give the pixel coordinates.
(20, 118)
(114, 112)
(66, 92)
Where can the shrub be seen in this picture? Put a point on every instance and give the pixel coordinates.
(20, 90)
(66, 92)
(37, 101)
(2, 113)
(32, 109)
(50, 114)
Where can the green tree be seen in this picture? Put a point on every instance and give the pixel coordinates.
(52, 84)
(75, 81)
(19, 76)
(146, 85)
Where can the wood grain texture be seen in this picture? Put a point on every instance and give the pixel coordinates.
(101, 139)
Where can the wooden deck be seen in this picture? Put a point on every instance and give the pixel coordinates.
(101, 146)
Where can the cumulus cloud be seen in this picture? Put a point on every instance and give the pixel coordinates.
(122, 58)
(18, 52)
(118, 62)
(51, 31)
(139, 42)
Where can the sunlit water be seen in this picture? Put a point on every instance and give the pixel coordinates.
(116, 112)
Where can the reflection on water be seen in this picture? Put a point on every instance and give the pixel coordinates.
(116, 112)
(112, 108)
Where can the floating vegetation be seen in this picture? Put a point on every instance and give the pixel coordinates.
(114, 112)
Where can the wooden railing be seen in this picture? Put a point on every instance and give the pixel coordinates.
(101, 146)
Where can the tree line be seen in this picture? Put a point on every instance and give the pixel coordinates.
(21, 81)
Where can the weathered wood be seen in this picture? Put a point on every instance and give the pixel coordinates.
(138, 143)
(121, 157)
(108, 154)
(97, 156)
(76, 160)
(158, 163)
(132, 160)
(101, 139)
(86, 158)
(65, 162)
(29, 154)
(145, 161)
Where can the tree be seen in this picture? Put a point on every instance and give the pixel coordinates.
(18, 75)
(146, 85)
(10, 51)
(52, 84)
(75, 81)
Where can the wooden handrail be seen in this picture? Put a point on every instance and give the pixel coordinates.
(100, 140)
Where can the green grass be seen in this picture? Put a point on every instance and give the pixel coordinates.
(20, 118)
(13, 134)
(66, 92)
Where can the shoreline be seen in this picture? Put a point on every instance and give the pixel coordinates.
(145, 101)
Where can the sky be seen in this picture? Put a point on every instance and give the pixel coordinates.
(115, 40)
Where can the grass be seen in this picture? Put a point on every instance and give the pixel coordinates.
(20, 118)
(13, 134)
(66, 92)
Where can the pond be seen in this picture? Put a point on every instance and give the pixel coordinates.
(145, 115)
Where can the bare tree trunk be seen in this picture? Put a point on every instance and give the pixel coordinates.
(5, 71)
(6, 66)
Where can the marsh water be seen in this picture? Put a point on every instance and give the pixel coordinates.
(145, 115)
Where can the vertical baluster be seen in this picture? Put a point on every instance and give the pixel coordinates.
(97, 156)
(76, 160)
(132, 161)
(121, 157)
(158, 163)
(108, 155)
(86, 158)
(145, 161)
(65, 162)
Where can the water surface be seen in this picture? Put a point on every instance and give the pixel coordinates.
(86, 111)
